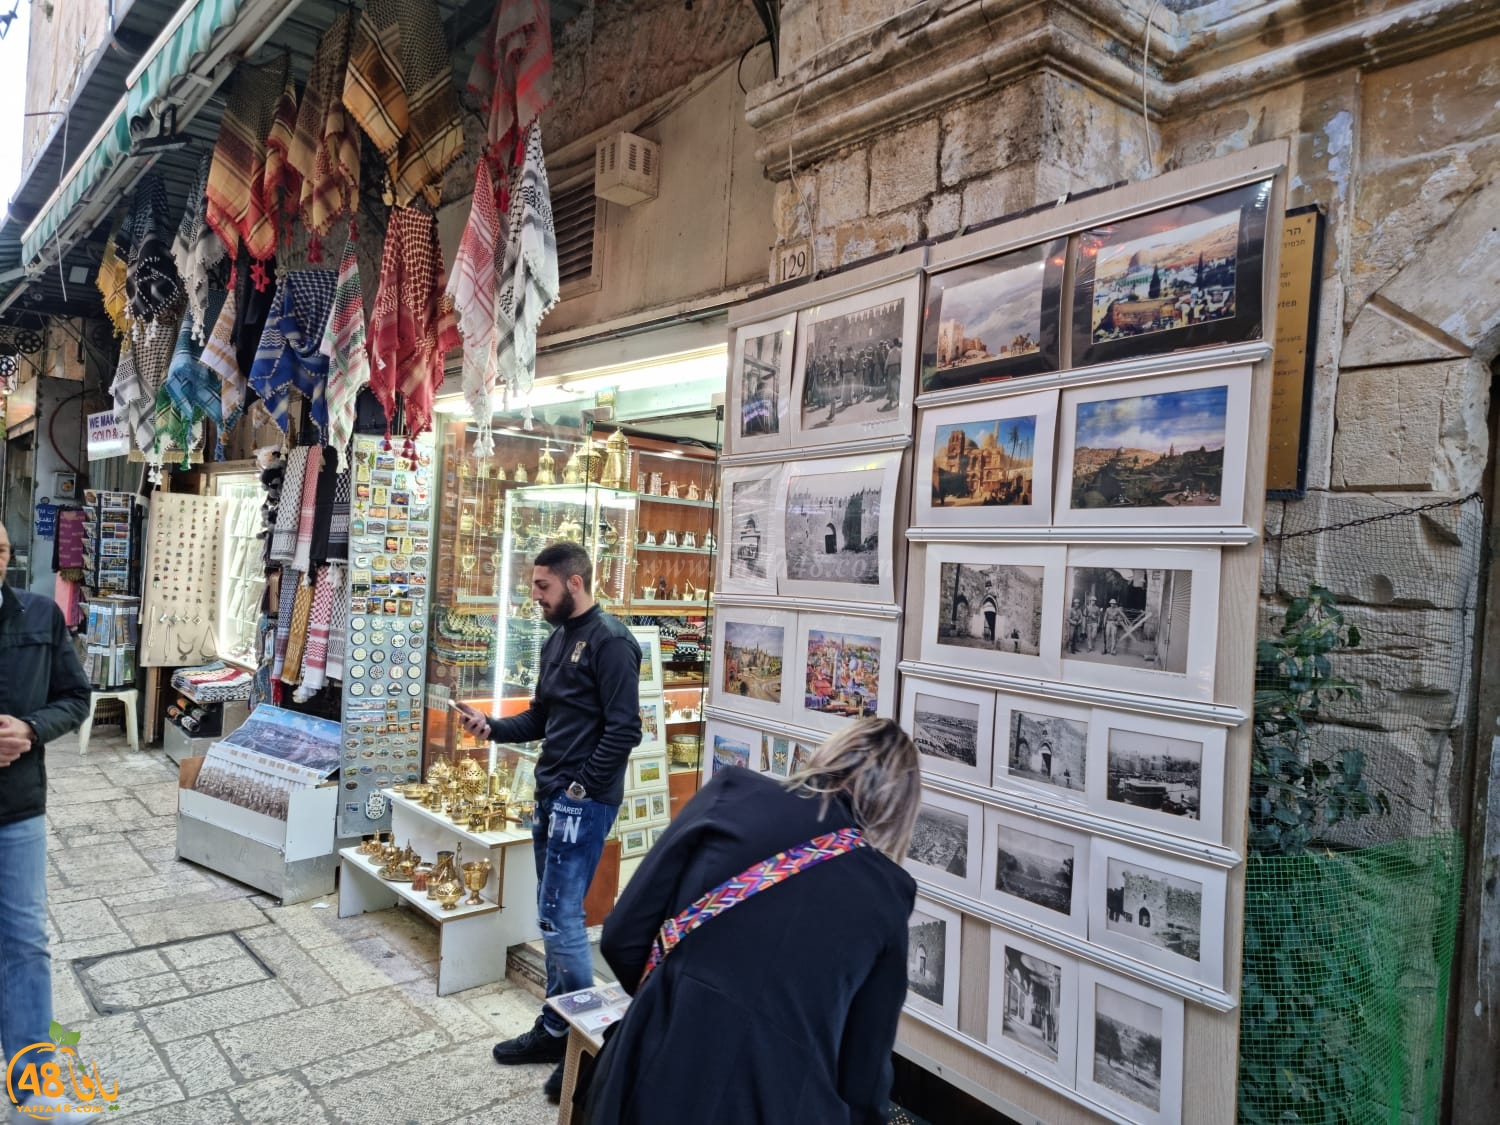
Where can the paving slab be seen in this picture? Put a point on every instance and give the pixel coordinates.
(218, 1010)
(195, 920)
(295, 1038)
(277, 1100)
(199, 1065)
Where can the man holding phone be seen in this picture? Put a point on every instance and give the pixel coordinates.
(586, 710)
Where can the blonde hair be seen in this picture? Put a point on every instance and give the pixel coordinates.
(873, 763)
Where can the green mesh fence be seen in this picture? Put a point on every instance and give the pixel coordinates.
(1353, 879)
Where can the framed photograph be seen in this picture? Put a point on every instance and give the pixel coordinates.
(649, 638)
(946, 842)
(846, 669)
(801, 754)
(1130, 1047)
(987, 464)
(648, 772)
(659, 809)
(653, 724)
(932, 961)
(1142, 619)
(751, 655)
(1161, 773)
(994, 319)
(839, 528)
(1042, 746)
(856, 364)
(1036, 869)
(1187, 276)
(1165, 911)
(992, 607)
(730, 745)
(750, 554)
(1033, 1005)
(953, 727)
(776, 751)
(635, 842)
(1168, 451)
(760, 386)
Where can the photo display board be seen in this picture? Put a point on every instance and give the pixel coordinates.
(1058, 552)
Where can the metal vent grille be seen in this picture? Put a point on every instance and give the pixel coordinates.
(574, 217)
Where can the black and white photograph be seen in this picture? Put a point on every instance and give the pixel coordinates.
(993, 320)
(932, 963)
(1033, 1004)
(856, 364)
(1134, 617)
(1161, 773)
(753, 649)
(750, 553)
(1045, 745)
(1165, 911)
(1169, 453)
(760, 385)
(945, 842)
(952, 726)
(987, 464)
(990, 607)
(1188, 276)
(837, 528)
(1130, 1047)
(1036, 869)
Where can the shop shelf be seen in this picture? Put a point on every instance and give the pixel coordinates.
(430, 907)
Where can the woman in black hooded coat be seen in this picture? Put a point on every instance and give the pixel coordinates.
(783, 1010)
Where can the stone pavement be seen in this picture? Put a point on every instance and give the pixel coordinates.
(209, 1003)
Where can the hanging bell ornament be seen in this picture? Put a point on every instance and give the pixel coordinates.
(616, 462)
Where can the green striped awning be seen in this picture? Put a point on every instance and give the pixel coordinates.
(195, 35)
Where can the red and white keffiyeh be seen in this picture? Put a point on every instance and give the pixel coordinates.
(348, 359)
(472, 290)
(512, 74)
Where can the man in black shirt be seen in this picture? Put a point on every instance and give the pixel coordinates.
(586, 709)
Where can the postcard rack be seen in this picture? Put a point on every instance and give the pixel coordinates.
(1077, 403)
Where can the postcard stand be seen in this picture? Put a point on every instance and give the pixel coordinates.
(1043, 1003)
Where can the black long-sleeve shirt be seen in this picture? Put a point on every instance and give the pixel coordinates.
(587, 708)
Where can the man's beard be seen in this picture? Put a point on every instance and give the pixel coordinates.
(564, 610)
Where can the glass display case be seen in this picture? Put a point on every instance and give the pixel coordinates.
(243, 570)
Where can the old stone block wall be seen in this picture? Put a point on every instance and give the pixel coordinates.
(64, 36)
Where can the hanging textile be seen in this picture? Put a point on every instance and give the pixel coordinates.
(338, 523)
(399, 87)
(111, 285)
(413, 324)
(287, 598)
(288, 510)
(325, 145)
(338, 629)
(296, 641)
(320, 620)
(289, 354)
(238, 208)
(144, 360)
(307, 512)
(528, 277)
(191, 392)
(197, 250)
(218, 358)
(153, 288)
(472, 290)
(283, 185)
(512, 74)
(344, 345)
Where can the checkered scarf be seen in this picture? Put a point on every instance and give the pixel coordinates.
(191, 391)
(338, 626)
(290, 581)
(338, 523)
(512, 73)
(238, 209)
(152, 285)
(399, 87)
(288, 510)
(472, 290)
(296, 642)
(320, 620)
(219, 358)
(344, 345)
(325, 147)
(307, 514)
(413, 325)
(528, 277)
(111, 285)
(196, 250)
(288, 355)
(280, 177)
(144, 360)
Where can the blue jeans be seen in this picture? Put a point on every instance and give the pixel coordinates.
(567, 838)
(25, 964)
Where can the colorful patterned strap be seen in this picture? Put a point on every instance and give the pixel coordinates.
(765, 874)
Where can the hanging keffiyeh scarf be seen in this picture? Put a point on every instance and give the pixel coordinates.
(191, 392)
(338, 629)
(325, 146)
(289, 508)
(196, 250)
(296, 642)
(307, 513)
(528, 277)
(111, 285)
(413, 325)
(153, 288)
(472, 289)
(144, 361)
(344, 345)
(399, 87)
(338, 524)
(320, 620)
(218, 357)
(290, 581)
(512, 74)
(238, 209)
(282, 181)
(289, 355)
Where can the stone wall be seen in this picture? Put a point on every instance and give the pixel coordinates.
(64, 36)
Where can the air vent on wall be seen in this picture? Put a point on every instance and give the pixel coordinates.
(574, 217)
(626, 169)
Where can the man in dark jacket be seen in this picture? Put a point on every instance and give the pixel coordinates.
(43, 694)
(587, 711)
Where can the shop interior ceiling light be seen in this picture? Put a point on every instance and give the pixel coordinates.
(627, 169)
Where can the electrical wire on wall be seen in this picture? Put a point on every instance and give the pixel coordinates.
(1145, 78)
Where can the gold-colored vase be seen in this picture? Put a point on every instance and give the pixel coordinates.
(476, 876)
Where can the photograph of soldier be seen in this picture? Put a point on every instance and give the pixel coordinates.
(848, 366)
(1144, 622)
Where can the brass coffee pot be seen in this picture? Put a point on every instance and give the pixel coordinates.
(616, 462)
(545, 468)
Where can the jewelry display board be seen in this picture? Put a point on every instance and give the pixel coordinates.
(180, 602)
(1075, 583)
(390, 545)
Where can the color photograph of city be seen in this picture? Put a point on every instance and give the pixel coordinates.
(995, 316)
(1168, 279)
(987, 462)
(843, 674)
(1150, 451)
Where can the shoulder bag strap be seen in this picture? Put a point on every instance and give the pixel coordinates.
(765, 874)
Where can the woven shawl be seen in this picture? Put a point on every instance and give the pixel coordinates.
(144, 360)
(338, 525)
(528, 277)
(472, 290)
(153, 287)
(399, 87)
(191, 391)
(307, 513)
(288, 509)
(218, 357)
(196, 250)
(320, 619)
(328, 475)
(338, 628)
(282, 181)
(413, 323)
(289, 355)
(325, 146)
(238, 209)
(512, 73)
(111, 285)
(344, 345)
